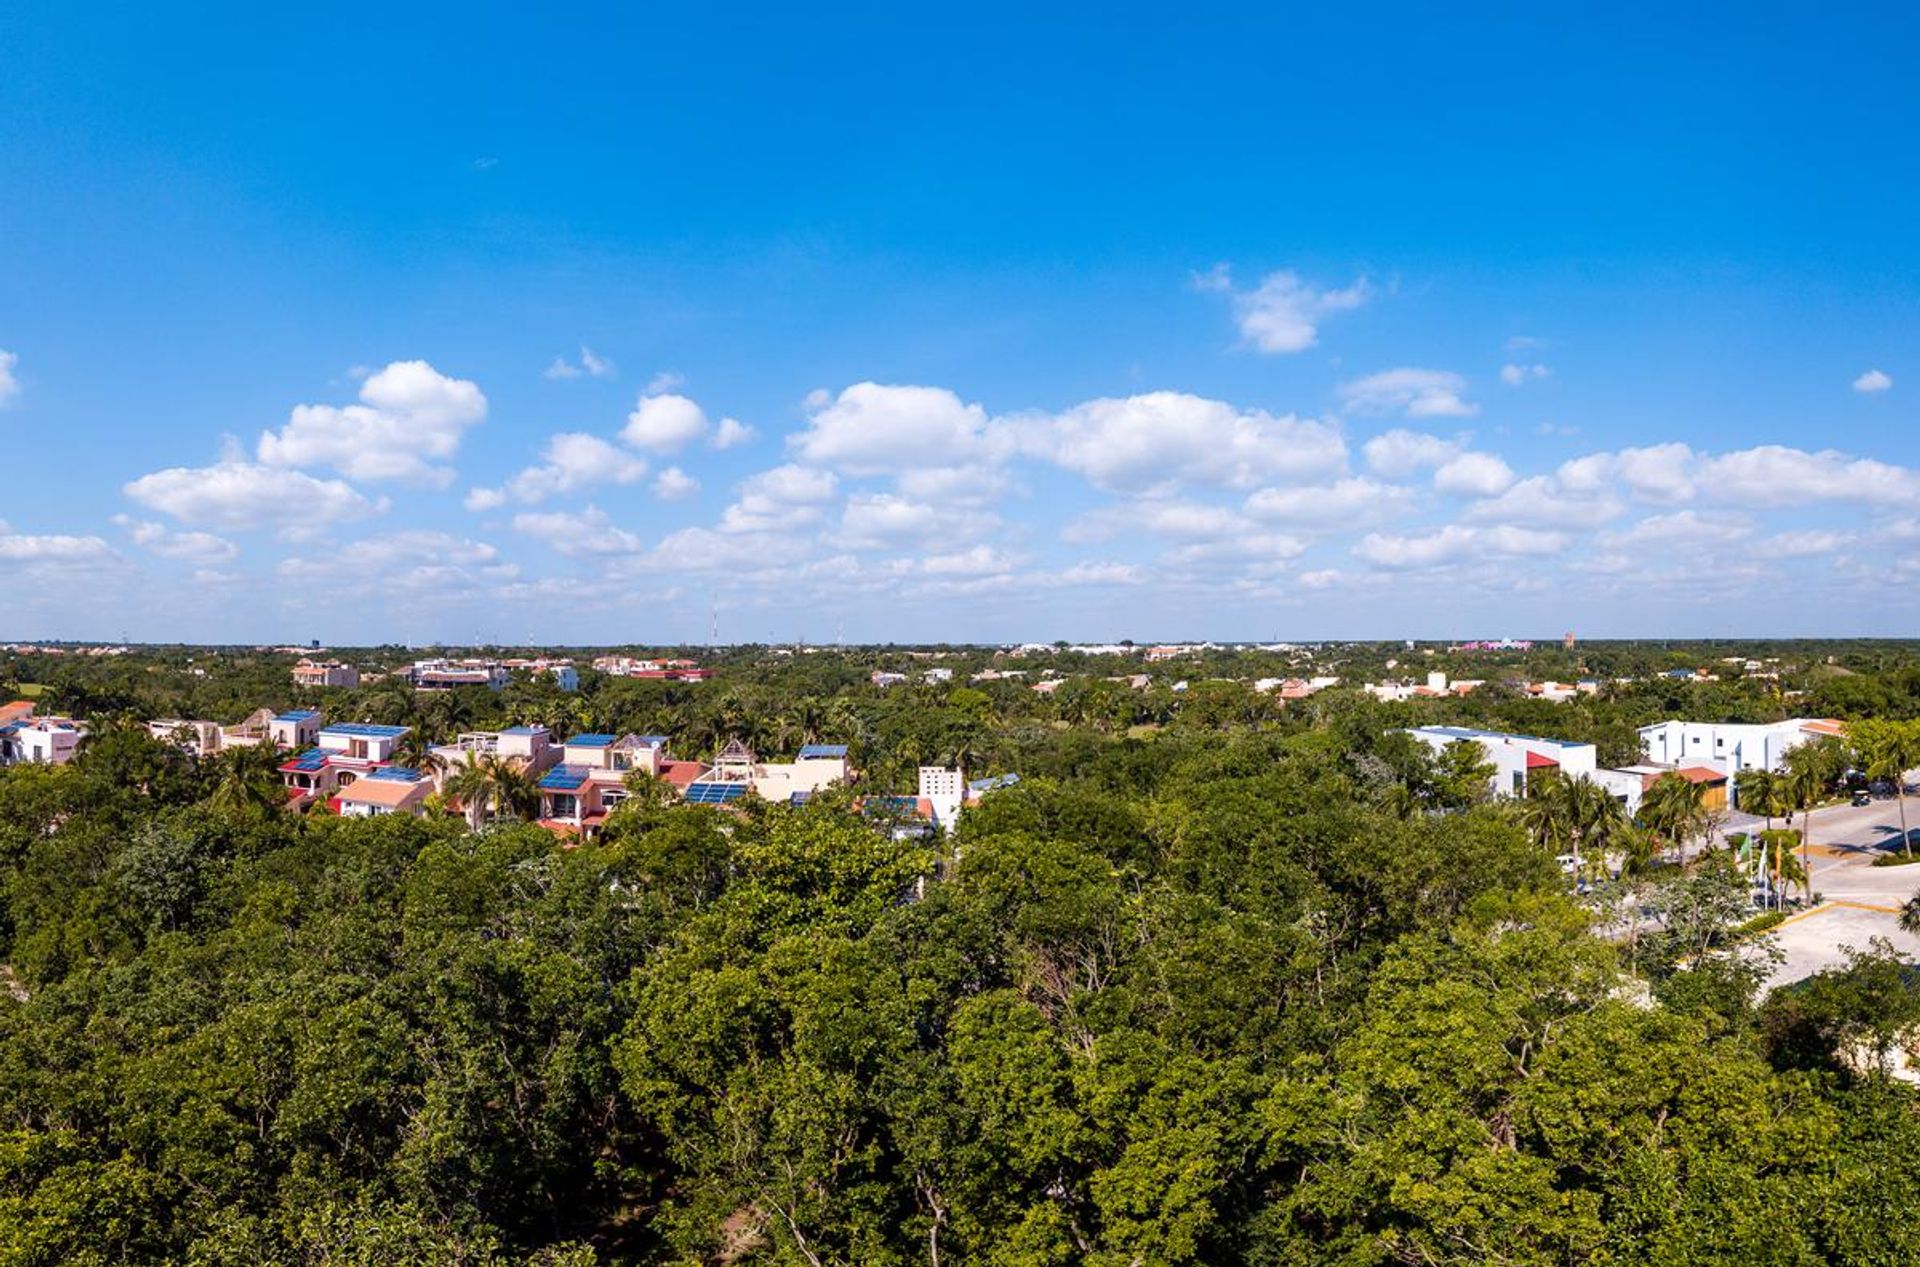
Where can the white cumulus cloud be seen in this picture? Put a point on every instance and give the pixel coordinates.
(1474, 475)
(1414, 393)
(782, 499)
(9, 380)
(875, 429)
(1873, 381)
(664, 423)
(585, 533)
(590, 366)
(1518, 375)
(195, 547)
(731, 434)
(1455, 542)
(573, 460)
(237, 496)
(673, 484)
(1283, 313)
(1161, 439)
(409, 417)
(1399, 453)
(1348, 503)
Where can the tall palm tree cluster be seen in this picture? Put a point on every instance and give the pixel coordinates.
(1580, 818)
(491, 786)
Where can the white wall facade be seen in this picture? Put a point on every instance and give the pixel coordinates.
(1508, 754)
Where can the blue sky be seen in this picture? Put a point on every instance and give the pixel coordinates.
(1117, 323)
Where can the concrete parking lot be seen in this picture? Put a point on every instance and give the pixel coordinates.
(1862, 900)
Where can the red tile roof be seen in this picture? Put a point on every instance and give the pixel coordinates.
(682, 773)
(1701, 774)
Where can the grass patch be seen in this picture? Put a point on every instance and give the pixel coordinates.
(32, 690)
(1895, 860)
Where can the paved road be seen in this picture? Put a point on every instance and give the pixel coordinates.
(1862, 899)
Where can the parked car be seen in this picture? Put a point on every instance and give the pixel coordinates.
(1881, 787)
(1863, 797)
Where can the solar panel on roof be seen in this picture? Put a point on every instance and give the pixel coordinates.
(590, 741)
(823, 750)
(365, 730)
(299, 714)
(564, 777)
(307, 762)
(714, 793)
(396, 774)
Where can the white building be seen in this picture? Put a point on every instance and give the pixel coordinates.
(945, 791)
(529, 747)
(389, 790)
(201, 738)
(1731, 747)
(323, 673)
(296, 728)
(1514, 756)
(41, 741)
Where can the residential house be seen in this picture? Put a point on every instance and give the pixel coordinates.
(40, 740)
(447, 675)
(590, 780)
(201, 738)
(251, 733)
(387, 790)
(658, 670)
(346, 752)
(296, 728)
(531, 748)
(321, 673)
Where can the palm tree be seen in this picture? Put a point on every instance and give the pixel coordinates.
(1575, 813)
(1758, 792)
(1910, 915)
(475, 790)
(1674, 808)
(1811, 769)
(515, 790)
(1889, 749)
(245, 782)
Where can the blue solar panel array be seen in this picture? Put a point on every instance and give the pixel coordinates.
(396, 774)
(311, 761)
(993, 784)
(714, 793)
(299, 714)
(891, 805)
(590, 741)
(797, 799)
(366, 730)
(564, 778)
(823, 750)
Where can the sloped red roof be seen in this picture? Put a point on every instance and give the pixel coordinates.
(1536, 761)
(682, 773)
(1701, 774)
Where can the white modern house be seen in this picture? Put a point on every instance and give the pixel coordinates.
(1514, 757)
(41, 740)
(1731, 747)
